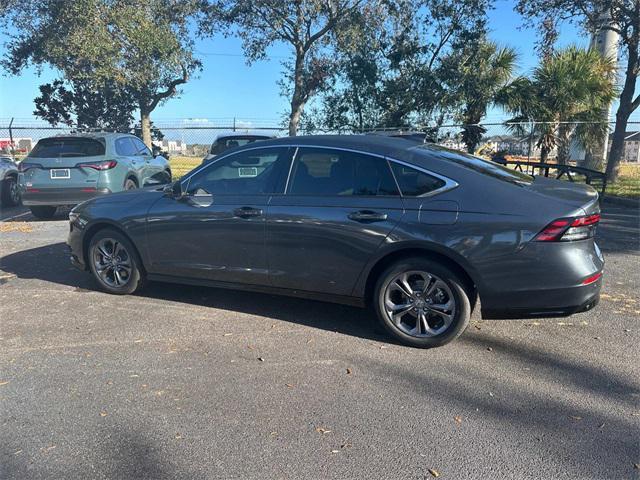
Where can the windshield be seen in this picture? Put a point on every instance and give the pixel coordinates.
(486, 167)
(67, 147)
(226, 143)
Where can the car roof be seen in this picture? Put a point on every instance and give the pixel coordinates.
(94, 135)
(241, 134)
(381, 145)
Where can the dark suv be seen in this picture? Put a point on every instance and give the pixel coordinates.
(416, 232)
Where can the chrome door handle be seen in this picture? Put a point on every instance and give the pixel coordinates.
(367, 216)
(247, 212)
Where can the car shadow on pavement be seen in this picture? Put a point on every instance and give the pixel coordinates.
(50, 263)
(619, 229)
(122, 455)
(589, 439)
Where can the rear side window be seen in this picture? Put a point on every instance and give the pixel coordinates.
(68, 147)
(480, 165)
(329, 172)
(414, 183)
(125, 147)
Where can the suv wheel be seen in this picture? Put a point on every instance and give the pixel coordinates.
(114, 263)
(422, 303)
(43, 212)
(130, 184)
(10, 192)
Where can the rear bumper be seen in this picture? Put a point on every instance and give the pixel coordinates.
(60, 196)
(547, 303)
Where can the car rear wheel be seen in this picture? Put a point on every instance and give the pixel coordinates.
(43, 212)
(130, 184)
(10, 192)
(114, 263)
(422, 303)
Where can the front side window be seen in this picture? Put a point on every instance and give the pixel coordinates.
(140, 147)
(414, 183)
(319, 171)
(56, 147)
(125, 147)
(251, 172)
(225, 143)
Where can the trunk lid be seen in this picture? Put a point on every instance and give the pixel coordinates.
(577, 195)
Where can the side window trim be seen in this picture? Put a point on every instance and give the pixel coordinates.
(449, 184)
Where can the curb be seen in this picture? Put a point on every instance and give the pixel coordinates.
(626, 202)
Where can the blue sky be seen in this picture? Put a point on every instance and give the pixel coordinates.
(227, 87)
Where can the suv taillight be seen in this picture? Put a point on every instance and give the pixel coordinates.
(105, 165)
(569, 229)
(24, 166)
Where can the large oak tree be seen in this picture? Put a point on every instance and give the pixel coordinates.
(143, 47)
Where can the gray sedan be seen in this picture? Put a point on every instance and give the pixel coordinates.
(413, 231)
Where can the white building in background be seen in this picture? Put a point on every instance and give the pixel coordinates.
(631, 152)
(172, 146)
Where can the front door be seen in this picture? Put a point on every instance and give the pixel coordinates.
(217, 231)
(338, 209)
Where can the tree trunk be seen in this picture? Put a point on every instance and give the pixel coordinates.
(544, 154)
(625, 109)
(145, 125)
(565, 132)
(298, 97)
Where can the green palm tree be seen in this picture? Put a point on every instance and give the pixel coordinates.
(566, 97)
(486, 69)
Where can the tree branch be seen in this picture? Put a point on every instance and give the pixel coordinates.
(171, 89)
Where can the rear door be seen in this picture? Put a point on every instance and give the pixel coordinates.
(338, 208)
(151, 169)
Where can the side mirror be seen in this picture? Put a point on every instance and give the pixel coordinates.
(174, 190)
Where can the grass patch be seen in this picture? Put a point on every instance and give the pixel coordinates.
(628, 183)
(181, 165)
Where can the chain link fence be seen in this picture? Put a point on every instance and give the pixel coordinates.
(188, 140)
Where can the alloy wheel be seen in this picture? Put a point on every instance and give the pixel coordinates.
(419, 304)
(112, 262)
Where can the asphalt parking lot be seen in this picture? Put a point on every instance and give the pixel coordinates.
(193, 383)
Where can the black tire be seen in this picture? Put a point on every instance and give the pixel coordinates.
(133, 280)
(43, 212)
(10, 192)
(130, 184)
(454, 288)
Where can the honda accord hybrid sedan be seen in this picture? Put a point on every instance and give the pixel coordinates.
(415, 232)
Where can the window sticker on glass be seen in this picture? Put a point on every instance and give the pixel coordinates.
(247, 172)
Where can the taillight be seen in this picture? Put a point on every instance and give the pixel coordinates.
(24, 166)
(569, 229)
(105, 165)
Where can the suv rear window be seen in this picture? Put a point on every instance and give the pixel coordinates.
(480, 165)
(67, 147)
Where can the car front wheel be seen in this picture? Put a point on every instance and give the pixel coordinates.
(10, 192)
(114, 263)
(422, 303)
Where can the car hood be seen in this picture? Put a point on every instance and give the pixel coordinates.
(121, 204)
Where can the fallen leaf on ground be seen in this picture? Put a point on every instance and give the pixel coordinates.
(601, 426)
(458, 419)
(290, 385)
(346, 445)
(47, 449)
(477, 327)
(134, 375)
(489, 349)
(575, 417)
(227, 334)
(273, 434)
(322, 430)
(636, 466)
(178, 436)
(21, 227)
(348, 371)
(433, 472)
(260, 359)
(4, 383)
(335, 451)
(17, 452)
(383, 347)
(137, 341)
(103, 414)
(250, 347)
